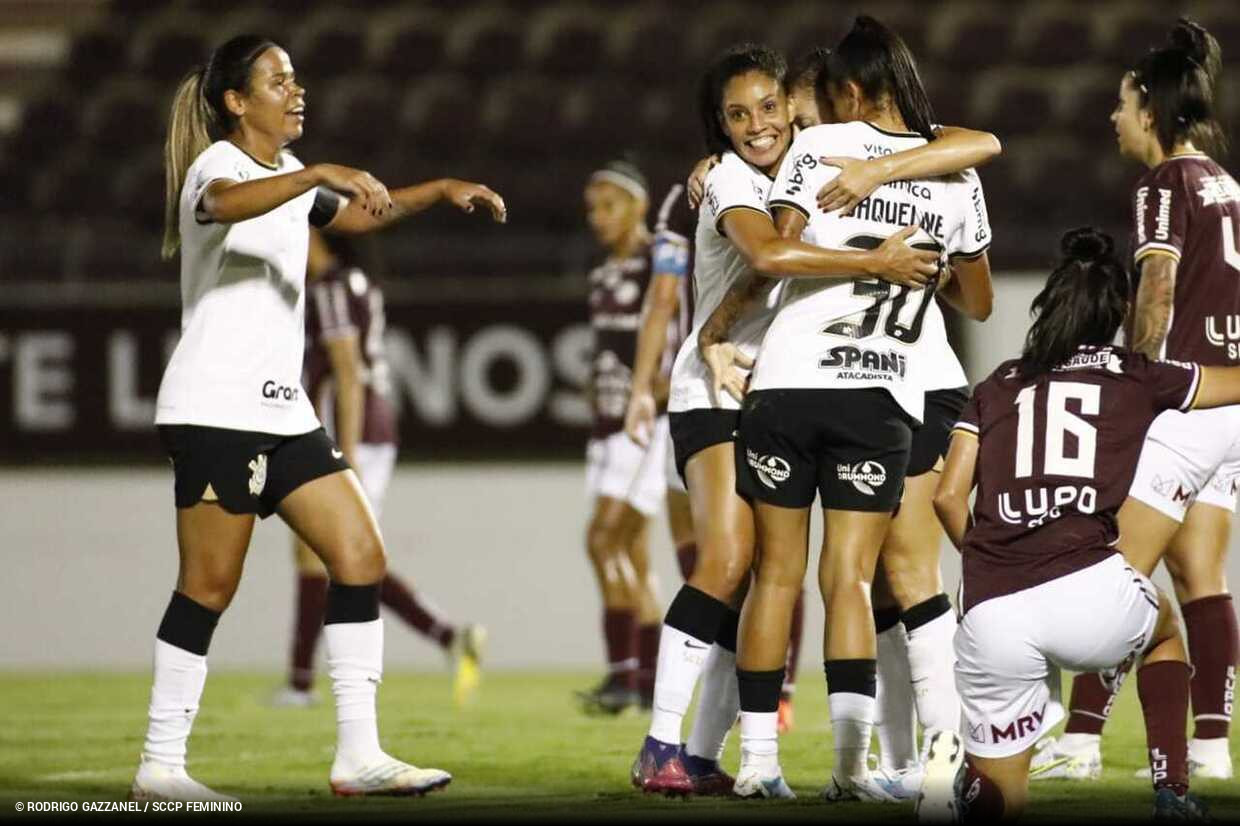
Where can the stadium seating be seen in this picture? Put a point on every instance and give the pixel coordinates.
(532, 94)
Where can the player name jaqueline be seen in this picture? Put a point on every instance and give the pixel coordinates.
(131, 806)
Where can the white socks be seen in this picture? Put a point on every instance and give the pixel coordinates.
(895, 718)
(852, 718)
(175, 692)
(681, 660)
(719, 702)
(760, 739)
(932, 666)
(355, 663)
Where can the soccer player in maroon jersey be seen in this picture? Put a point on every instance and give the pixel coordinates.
(348, 380)
(626, 481)
(1050, 441)
(1186, 212)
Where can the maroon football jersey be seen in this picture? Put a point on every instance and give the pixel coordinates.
(1188, 207)
(345, 302)
(672, 254)
(1056, 457)
(617, 289)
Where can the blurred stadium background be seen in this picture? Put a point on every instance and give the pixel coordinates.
(486, 324)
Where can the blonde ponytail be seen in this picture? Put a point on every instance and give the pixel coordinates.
(189, 133)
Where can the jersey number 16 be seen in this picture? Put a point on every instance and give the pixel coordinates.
(1059, 422)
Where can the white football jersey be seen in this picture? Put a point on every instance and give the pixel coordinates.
(717, 267)
(860, 333)
(238, 362)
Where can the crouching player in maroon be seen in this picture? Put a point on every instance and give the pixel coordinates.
(348, 381)
(1051, 441)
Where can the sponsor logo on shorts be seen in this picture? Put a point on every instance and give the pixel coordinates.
(977, 733)
(1019, 728)
(280, 392)
(859, 364)
(770, 470)
(865, 476)
(258, 474)
(1170, 489)
(337, 453)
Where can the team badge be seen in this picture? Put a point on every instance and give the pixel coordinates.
(258, 474)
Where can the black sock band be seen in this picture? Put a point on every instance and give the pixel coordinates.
(729, 627)
(187, 625)
(885, 619)
(696, 613)
(351, 603)
(851, 677)
(924, 612)
(759, 690)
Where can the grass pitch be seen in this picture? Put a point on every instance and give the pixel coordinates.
(522, 750)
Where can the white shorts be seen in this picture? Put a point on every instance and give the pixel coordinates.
(674, 482)
(374, 470)
(1009, 650)
(620, 468)
(1190, 457)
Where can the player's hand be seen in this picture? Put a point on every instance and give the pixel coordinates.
(465, 195)
(695, 187)
(857, 179)
(723, 359)
(359, 185)
(905, 266)
(639, 418)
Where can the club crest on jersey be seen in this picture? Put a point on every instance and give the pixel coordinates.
(854, 362)
(865, 476)
(770, 470)
(258, 474)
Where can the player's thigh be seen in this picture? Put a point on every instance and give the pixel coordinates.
(1197, 555)
(679, 516)
(332, 516)
(212, 545)
(910, 551)
(723, 521)
(783, 540)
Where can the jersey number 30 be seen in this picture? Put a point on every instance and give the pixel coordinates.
(1059, 421)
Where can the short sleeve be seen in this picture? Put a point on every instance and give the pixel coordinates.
(800, 177)
(970, 420)
(730, 186)
(672, 250)
(1160, 213)
(326, 204)
(331, 304)
(215, 164)
(975, 235)
(1173, 385)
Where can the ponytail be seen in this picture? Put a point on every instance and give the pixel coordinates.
(879, 62)
(1177, 83)
(1084, 302)
(189, 133)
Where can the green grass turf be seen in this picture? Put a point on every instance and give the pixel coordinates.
(523, 749)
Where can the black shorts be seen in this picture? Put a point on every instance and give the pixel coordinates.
(930, 441)
(695, 430)
(850, 446)
(248, 472)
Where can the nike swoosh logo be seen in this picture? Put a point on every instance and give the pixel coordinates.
(337, 454)
(699, 647)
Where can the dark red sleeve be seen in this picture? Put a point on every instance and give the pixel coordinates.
(1171, 384)
(1161, 205)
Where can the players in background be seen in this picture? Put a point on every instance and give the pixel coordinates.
(348, 381)
(1049, 441)
(625, 481)
(242, 436)
(857, 457)
(1186, 213)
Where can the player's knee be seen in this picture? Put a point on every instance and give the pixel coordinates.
(358, 558)
(601, 542)
(210, 590)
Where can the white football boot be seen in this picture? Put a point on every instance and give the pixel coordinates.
(1207, 760)
(159, 781)
(1067, 758)
(936, 801)
(863, 788)
(761, 777)
(388, 777)
(902, 784)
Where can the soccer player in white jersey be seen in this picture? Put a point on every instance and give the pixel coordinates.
(745, 114)
(1186, 214)
(855, 348)
(241, 434)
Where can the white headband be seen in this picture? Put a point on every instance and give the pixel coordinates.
(623, 181)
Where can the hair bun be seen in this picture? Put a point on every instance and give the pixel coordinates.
(1086, 244)
(1190, 38)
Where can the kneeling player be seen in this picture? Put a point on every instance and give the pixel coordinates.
(1050, 440)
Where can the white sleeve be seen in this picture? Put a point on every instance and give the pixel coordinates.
(974, 237)
(214, 164)
(730, 186)
(800, 177)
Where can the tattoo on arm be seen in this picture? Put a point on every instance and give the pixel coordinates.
(742, 294)
(1152, 314)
